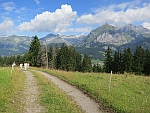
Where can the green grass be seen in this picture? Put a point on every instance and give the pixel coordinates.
(53, 98)
(96, 61)
(128, 93)
(10, 85)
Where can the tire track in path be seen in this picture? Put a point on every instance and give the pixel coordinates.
(31, 94)
(85, 102)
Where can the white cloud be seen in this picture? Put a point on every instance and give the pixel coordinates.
(118, 14)
(37, 1)
(6, 26)
(146, 25)
(55, 22)
(8, 6)
(79, 29)
(21, 10)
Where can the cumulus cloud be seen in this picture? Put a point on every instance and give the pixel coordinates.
(146, 25)
(55, 22)
(124, 13)
(6, 26)
(79, 29)
(8, 6)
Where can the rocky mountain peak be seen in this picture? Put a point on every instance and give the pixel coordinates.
(137, 29)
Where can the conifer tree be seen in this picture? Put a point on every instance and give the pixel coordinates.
(95, 68)
(86, 64)
(147, 62)
(52, 53)
(127, 60)
(62, 58)
(19, 59)
(78, 62)
(71, 59)
(1, 61)
(41, 58)
(138, 60)
(121, 65)
(34, 51)
(99, 68)
(115, 63)
(108, 61)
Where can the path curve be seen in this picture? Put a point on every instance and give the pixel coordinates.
(85, 102)
(31, 94)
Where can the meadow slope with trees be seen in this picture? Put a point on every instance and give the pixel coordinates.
(67, 58)
(67, 64)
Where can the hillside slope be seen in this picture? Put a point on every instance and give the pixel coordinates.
(117, 38)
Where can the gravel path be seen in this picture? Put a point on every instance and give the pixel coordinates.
(86, 103)
(31, 93)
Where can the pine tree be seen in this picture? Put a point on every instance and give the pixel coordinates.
(99, 68)
(26, 57)
(62, 58)
(121, 65)
(108, 61)
(19, 59)
(33, 54)
(11, 60)
(115, 63)
(78, 62)
(86, 64)
(138, 60)
(1, 61)
(127, 60)
(52, 53)
(95, 68)
(147, 62)
(41, 58)
(71, 59)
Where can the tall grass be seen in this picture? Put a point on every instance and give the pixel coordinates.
(128, 93)
(10, 85)
(53, 98)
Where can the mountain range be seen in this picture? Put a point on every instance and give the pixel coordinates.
(94, 44)
(117, 38)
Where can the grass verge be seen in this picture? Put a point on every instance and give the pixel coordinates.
(53, 98)
(10, 85)
(128, 93)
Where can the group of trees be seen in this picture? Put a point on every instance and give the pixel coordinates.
(40, 55)
(67, 58)
(126, 61)
(9, 60)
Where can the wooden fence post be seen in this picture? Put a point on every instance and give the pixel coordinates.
(110, 80)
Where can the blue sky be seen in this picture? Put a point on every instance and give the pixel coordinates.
(69, 17)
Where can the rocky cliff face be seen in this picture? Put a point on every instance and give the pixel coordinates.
(108, 34)
(117, 38)
(108, 38)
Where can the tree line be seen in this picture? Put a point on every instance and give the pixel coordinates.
(68, 59)
(137, 62)
(40, 55)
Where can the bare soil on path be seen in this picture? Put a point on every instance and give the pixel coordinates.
(31, 95)
(83, 100)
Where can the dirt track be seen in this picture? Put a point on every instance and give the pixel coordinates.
(31, 93)
(86, 103)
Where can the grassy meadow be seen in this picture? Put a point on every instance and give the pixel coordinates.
(10, 85)
(128, 93)
(53, 98)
